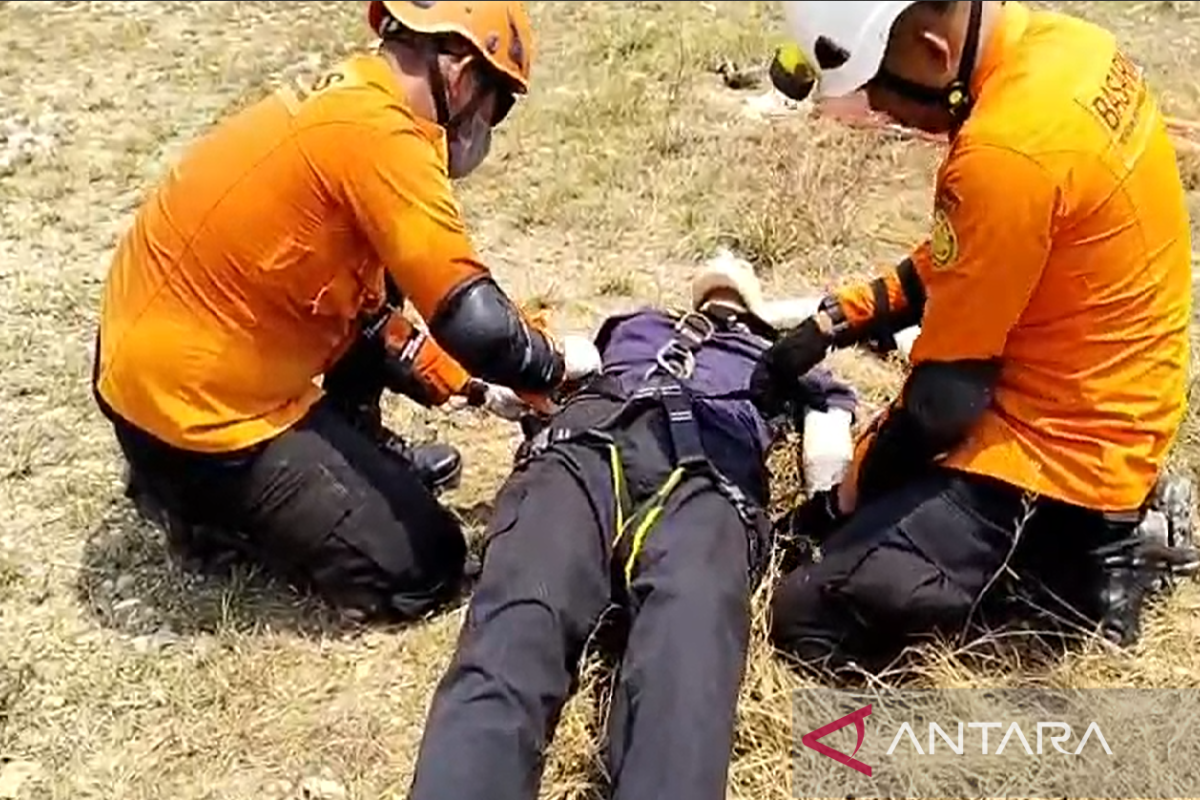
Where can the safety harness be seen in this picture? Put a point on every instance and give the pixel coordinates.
(665, 386)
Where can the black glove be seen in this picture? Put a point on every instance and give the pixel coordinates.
(475, 393)
(816, 518)
(805, 527)
(775, 384)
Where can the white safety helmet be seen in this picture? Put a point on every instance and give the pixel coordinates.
(842, 42)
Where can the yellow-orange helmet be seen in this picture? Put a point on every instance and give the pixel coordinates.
(501, 32)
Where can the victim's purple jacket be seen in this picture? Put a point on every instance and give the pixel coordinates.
(735, 435)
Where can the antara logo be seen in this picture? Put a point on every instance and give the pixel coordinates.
(812, 739)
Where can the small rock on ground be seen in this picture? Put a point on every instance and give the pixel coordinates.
(322, 789)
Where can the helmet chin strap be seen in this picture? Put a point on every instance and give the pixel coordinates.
(437, 87)
(956, 97)
(441, 98)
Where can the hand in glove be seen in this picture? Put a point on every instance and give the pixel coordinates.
(505, 403)
(775, 383)
(817, 517)
(581, 360)
(498, 400)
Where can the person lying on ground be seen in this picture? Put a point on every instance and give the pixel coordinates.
(278, 253)
(637, 509)
(1054, 295)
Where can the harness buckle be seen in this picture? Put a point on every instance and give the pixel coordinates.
(697, 328)
(676, 360)
(677, 357)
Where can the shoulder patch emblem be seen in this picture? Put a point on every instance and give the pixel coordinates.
(943, 243)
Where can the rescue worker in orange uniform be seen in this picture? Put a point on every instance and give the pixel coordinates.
(280, 251)
(1049, 379)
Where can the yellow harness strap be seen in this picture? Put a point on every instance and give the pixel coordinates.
(645, 516)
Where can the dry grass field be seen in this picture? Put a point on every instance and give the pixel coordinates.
(122, 676)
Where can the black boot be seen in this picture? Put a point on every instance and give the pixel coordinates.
(356, 393)
(1141, 557)
(1124, 579)
(438, 464)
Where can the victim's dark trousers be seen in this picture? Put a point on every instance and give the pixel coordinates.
(547, 580)
(930, 558)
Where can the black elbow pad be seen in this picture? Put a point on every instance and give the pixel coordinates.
(946, 399)
(940, 404)
(480, 328)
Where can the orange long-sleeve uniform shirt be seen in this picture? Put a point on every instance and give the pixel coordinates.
(245, 275)
(1061, 246)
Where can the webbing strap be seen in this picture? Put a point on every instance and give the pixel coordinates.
(641, 520)
(882, 317)
(686, 445)
(674, 364)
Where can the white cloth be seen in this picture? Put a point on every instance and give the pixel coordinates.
(580, 356)
(827, 448)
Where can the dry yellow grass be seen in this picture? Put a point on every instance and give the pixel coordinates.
(120, 677)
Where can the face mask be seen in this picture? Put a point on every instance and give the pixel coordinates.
(469, 146)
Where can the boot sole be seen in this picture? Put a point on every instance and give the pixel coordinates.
(447, 484)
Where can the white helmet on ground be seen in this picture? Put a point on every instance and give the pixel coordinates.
(843, 42)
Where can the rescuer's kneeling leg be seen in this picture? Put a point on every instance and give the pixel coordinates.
(544, 585)
(673, 714)
(1091, 571)
(325, 505)
(189, 496)
(914, 562)
(354, 388)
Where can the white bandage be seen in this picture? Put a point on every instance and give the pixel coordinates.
(827, 449)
